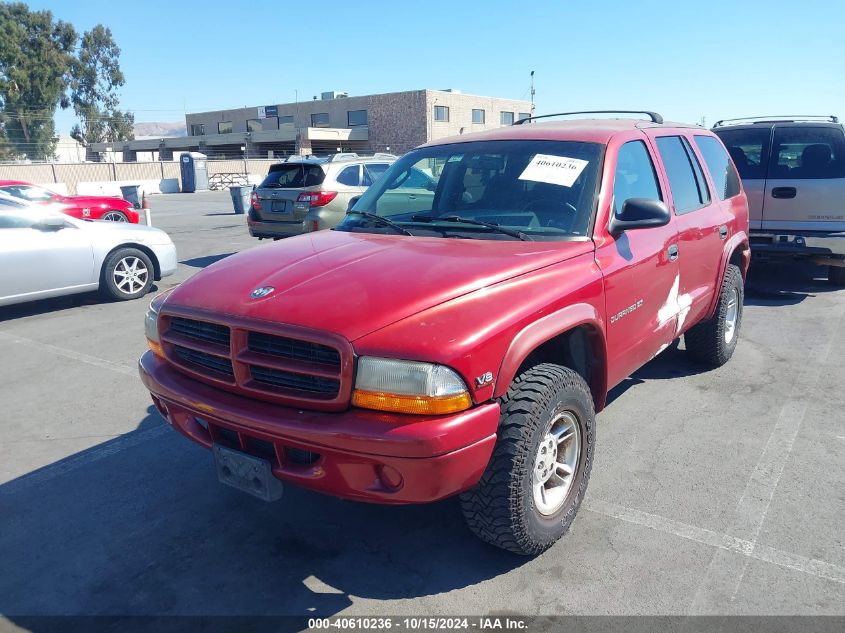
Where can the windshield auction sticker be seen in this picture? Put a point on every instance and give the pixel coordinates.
(555, 170)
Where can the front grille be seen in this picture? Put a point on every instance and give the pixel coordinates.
(293, 349)
(200, 330)
(204, 361)
(282, 364)
(298, 382)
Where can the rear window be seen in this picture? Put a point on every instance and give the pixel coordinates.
(293, 175)
(808, 152)
(721, 170)
(749, 150)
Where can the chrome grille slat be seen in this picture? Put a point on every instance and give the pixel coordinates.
(201, 330)
(206, 361)
(293, 349)
(298, 382)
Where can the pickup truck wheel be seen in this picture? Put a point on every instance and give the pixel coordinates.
(836, 275)
(538, 473)
(713, 341)
(127, 274)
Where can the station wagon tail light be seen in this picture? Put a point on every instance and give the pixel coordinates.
(317, 198)
(254, 201)
(404, 386)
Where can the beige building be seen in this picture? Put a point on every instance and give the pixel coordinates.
(390, 122)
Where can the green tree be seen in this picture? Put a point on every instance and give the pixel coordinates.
(96, 78)
(36, 55)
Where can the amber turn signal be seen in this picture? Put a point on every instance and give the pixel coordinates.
(398, 403)
(156, 348)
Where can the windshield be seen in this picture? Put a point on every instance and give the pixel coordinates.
(293, 176)
(541, 190)
(28, 192)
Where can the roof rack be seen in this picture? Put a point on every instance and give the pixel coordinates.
(655, 118)
(781, 118)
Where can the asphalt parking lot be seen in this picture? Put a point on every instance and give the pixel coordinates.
(713, 492)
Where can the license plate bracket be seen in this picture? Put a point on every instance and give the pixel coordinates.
(247, 473)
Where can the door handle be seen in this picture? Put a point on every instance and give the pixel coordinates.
(411, 196)
(723, 232)
(672, 252)
(784, 192)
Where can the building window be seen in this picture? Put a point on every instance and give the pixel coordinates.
(523, 115)
(441, 113)
(320, 119)
(478, 116)
(355, 118)
(254, 125)
(224, 128)
(271, 123)
(197, 129)
(507, 118)
(285, 120)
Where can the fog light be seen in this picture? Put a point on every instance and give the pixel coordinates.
(390, 477)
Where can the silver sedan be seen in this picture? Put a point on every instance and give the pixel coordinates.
(47, 254)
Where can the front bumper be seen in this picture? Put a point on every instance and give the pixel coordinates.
(356, 454)
(798, 243)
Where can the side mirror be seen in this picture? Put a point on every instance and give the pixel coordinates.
(49, 224)
(639, 213)
(352, 202)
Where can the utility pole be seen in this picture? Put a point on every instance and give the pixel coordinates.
(532, 92)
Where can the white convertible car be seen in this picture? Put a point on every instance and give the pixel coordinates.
(46, 254)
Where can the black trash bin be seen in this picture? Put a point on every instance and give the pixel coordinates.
(130, 194)
(240, 198)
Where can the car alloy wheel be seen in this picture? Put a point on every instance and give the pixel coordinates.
(130, 275)
(115, 216)
(556, 463)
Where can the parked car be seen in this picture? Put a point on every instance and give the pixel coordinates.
(81, 207)
(47, 254)
(793, 171)
(460, 343)
(310, 194)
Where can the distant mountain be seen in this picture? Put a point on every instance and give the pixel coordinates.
(161, 129)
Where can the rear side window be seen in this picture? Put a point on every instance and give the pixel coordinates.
(689, 191)
(292, 176)
(721, 169)
(808, 152)
(372, 171)
(749, 150)
(349, 176)
(635, 176)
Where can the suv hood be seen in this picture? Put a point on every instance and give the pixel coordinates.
(355, 283)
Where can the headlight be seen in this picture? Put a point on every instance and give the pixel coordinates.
(408, 387)
(151, 331)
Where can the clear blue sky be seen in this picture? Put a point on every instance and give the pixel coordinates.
(684, 59)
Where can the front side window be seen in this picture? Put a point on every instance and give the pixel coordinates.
(807, 152)
(349, 176)
(356, 118)
(441, 113)
(544, 190)
(689, 192)
(635, 176)
(719, 165)
(224, 127)
(749, 149)
(507, 118)
(320, 119)
(478, 116)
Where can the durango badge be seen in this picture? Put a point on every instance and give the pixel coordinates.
(263, 291)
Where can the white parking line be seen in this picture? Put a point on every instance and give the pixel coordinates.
(69, 353)
(743, 547)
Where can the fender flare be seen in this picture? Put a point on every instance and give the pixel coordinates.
(737, 241)
(545, 329)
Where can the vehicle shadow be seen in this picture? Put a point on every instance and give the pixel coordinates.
(206, 260)
(775, 284)
(139, 525)
(57, 304)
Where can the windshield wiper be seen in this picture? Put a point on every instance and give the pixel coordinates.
(458, 219)
(379, 219)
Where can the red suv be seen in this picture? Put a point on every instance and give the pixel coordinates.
(82, 207)
(460, 340)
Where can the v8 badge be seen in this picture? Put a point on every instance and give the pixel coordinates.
(484, 379)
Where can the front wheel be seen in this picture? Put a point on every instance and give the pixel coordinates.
(127, 274)
(538, 473)
(713, 341)
(115, 216)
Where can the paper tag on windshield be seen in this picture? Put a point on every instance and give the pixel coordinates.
(555, 170)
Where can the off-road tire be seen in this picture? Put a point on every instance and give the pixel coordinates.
(500, 509)
(109, 287)
(705, 341)
(836, 275)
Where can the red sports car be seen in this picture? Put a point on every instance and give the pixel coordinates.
(82, 207)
